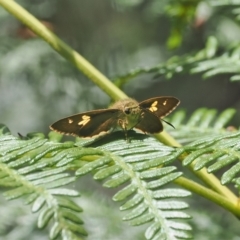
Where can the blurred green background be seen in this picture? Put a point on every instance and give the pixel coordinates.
(37, 86)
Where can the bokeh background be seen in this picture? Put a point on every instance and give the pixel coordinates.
(37, 86)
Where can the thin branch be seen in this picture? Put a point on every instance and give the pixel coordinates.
(225, 202)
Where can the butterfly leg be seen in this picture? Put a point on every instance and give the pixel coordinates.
(123, 125)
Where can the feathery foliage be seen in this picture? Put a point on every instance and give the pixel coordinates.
(140, 166)
(36, 169)
(202, 122)
(143, 173)
(176, 64)
(27, 171)
(205, 61)
(209, 144)
(118, 163)
(215, 153)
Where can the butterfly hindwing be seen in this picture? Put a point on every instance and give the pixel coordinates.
(149, 123)
(160, 106)
(88, 124)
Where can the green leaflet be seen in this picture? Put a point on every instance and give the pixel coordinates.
(134, 201)
(125, 192)
(44, 217)
(170, 193)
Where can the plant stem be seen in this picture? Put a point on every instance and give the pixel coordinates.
(232, 206)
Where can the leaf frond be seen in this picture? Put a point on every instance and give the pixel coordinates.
(138, 168)
(203, 122)
(205, 62)
(28, 170)
(216, 152)
(37, 170)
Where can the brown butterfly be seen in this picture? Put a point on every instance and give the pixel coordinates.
(125, 114)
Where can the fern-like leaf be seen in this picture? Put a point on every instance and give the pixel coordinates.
(26, 168)
(215, 153)
(203, 122)
(37, 169)
(138, 167)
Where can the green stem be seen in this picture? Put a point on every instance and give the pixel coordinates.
(214, 183)
(230, 205)
(167, 139)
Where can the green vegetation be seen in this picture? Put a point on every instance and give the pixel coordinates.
(149, 176)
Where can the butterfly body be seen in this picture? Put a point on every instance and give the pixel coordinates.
(129, 113)
(125, 114)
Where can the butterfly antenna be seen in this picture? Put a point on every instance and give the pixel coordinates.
(168, 123)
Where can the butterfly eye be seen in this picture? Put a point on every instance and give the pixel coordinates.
(127, 111)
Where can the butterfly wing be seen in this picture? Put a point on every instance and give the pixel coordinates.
(160, 106)
(153, 109)
(88, 124)
(149, 123)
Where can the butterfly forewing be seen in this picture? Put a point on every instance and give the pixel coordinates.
(88, 124)
(160, 106)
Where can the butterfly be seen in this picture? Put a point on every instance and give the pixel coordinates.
(123, 115)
